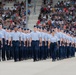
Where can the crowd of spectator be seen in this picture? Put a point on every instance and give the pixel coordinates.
(14, 16)
(61, 15)
(9, 0)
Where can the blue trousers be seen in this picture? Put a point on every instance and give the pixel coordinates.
(21, 50)
(29, 52)
(35, 48)
(7, 48)
(46, 50)
(53, 50)
(3, 50)
(68, 51)
(16, 50)
(42, 50)
(72, 51)
(11, 52)
(0, 51)
(25, 53)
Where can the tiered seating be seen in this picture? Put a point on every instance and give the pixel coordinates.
(13, 13)
(62, 15)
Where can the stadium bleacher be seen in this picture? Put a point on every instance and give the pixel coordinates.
(62, 15)
(13, 13)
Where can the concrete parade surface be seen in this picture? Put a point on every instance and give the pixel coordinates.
(45, 67)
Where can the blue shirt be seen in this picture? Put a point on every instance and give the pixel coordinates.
(69, 39)
(35, 35)
(53, 38)
(21, 36)
(43, 36)
(46, 36)
(15, 36)
(28, 36)
(7, 36)
(74, 40)
(3, 33)
(59, 35)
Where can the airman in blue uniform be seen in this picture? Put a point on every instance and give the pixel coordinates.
(34, 40)
(1, 45)
(25, 44)
(21, 47)
(29, 49)
(16, 43)
(3, 39)
(53, 42)
(7, 43)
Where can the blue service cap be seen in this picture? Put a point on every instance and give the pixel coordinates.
(14, 26)
(11, 28)
(27, 28)
(42, 28)
(24, 28)
(39, 27)
(4, 28)
(35, 26)
(67, 32)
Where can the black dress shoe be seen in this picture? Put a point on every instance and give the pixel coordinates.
(8, 58)
(20, 60)
(53, 60)
(34, 60)
(15, 60)
(3, 59)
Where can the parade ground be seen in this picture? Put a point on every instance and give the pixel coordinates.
(28, 29)
(45, 67)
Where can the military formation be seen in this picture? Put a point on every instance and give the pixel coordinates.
(20, 44)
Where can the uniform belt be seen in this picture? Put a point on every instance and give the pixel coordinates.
(35, 40)
(15, 40)
(53, 42)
